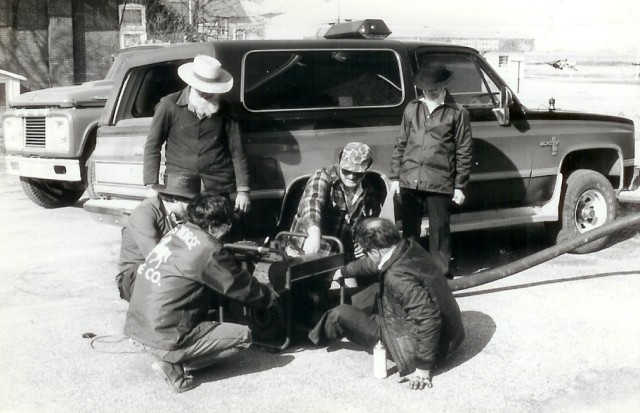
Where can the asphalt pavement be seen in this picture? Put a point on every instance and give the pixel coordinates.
(560, 337)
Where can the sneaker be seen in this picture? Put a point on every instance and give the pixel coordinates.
(174, 375)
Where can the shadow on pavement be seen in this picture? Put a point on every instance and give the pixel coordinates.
(479, 329)
(245, 362)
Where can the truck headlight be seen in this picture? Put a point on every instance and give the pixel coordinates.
(57, 133)
(13, 133)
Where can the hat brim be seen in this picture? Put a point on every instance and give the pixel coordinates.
(173, 191)
(351, 167)
(222, 85)
(417, 80)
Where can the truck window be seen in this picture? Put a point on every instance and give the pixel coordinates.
(321, 79)
(152, 84)
(470, 86)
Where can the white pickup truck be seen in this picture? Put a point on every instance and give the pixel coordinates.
(50, 133)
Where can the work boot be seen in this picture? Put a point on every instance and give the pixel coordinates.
(174, 375)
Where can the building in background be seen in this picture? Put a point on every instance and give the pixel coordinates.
(11, 85)
(66, 42)
(58, 42)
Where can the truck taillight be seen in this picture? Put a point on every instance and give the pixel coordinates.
(57, 133)
(13, 133)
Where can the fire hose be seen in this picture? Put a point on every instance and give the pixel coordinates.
(512, 268)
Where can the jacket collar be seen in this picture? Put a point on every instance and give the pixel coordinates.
(448, 101)
(398, 252)
(183, 97)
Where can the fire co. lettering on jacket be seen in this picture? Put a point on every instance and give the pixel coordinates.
(186, 236)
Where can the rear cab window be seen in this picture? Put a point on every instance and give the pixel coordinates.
(281, 80)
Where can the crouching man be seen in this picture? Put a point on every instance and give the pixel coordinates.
(149, 222)
(417, 317)
(172, 292)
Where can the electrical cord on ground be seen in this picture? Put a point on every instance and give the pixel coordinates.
(113, 340)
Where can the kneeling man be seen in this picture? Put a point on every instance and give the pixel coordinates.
(169, 304)
(417, 317)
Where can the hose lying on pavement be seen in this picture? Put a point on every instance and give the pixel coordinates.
(544, 255)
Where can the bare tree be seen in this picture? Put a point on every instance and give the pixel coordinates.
(191, 20)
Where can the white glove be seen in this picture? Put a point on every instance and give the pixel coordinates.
(312, 243)
(458, 196)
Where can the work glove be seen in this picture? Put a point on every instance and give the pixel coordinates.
(394, 187)
(458, 196)
(312, 242)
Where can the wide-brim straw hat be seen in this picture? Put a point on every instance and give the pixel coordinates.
(206, 74)
(432, 75)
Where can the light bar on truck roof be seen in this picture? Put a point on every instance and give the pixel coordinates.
(360, 29)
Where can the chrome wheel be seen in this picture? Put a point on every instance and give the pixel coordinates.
(591, 211)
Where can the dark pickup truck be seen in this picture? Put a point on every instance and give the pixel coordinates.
(300, 101)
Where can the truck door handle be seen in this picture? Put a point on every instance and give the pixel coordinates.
(138, 151)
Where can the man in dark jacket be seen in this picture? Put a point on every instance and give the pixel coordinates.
(172, 293)
(200, 134)
(149, 222)
(418, 319)
(432, 160)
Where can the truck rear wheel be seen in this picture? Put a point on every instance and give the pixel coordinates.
(589, 202)
(51, 194)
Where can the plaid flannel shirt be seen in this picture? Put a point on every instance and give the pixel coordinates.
(325, 204)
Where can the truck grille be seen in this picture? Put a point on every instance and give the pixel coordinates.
(34, 131)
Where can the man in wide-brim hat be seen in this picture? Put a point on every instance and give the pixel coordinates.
(431, 162)
(201, 136)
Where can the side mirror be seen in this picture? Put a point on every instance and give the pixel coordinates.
(502, 111)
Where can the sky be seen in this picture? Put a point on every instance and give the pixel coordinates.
(579, 25)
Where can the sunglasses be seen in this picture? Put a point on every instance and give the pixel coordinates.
(356, 175)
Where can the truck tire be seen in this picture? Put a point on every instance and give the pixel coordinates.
(52, 194)
(588, 202)
(91, 173)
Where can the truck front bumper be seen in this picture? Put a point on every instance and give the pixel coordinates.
(44, 168)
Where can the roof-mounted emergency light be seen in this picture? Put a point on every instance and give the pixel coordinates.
(360, 29)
